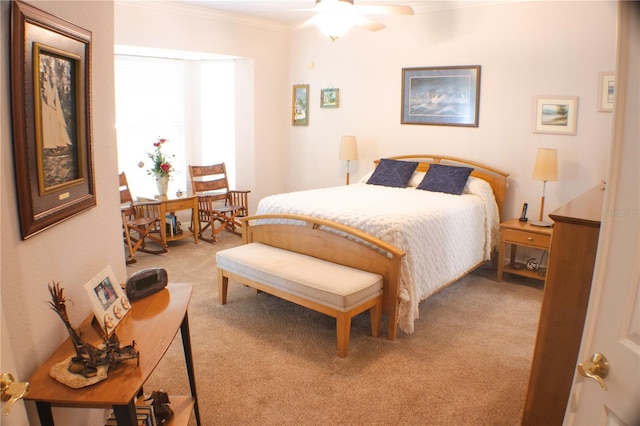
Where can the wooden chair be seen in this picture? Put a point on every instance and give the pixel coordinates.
(216, 202)
(139, 220)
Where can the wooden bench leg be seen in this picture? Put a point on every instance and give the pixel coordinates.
(343, 329)
(376, 317)
(223, 287)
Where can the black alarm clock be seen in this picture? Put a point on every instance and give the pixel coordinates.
(145, 283)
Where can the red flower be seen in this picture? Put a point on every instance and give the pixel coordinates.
(165, 167)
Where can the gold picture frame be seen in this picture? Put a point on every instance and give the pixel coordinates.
(329, 98)
(300, 105)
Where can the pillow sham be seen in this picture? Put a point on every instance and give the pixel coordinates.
(394, 173)
(447, 179)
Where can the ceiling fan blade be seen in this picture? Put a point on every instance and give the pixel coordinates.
(367, 23)
(385, 9)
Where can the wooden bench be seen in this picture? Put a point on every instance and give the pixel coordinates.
(322, 265)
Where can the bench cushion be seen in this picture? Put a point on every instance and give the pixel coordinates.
(329, 284)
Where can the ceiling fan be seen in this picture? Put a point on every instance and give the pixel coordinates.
(335, 17)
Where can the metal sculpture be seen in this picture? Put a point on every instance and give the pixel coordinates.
(88, 357)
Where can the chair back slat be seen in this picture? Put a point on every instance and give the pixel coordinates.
(209, 178)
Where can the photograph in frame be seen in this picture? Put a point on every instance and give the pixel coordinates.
(606, 91)
(300, 107)
(329, 98)
(51, 86)
(555, 115)
(108, 300)
(445, 96)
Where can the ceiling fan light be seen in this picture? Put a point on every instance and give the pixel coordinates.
(333, 23)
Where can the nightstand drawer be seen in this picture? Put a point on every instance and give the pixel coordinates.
(526, 238)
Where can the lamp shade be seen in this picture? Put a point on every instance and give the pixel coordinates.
(348, 148)
(546, 167)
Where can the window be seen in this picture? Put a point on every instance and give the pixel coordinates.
(190, 103)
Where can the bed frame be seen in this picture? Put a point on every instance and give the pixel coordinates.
(496, 178)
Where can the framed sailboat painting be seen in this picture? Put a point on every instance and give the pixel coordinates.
(51, 86)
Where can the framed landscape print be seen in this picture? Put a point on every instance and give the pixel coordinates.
(555, 115)
(329, 98)
(300, 107)
(50, 78)
(445, 96)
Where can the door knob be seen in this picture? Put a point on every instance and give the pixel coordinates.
(597, 368)
(12, 391)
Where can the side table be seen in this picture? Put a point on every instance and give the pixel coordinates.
(152, 322)
(516, 234)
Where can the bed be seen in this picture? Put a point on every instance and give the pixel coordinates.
(445, 236)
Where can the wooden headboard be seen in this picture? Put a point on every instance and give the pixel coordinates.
(496, 178)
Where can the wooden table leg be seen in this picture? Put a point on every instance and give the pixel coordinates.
(186, 346)
(44, 413)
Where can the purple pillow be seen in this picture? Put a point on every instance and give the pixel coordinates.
(394, 173)
(448, 179)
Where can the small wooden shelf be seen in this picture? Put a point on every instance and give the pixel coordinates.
(521, 269)
(153, 322)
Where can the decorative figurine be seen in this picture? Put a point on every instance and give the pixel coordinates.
(89, 358)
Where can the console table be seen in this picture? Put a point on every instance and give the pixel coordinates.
(152, 323)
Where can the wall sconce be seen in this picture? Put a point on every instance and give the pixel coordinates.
(546, 170)
(348, 151)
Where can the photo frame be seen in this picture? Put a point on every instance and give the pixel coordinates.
(51, 87)
(555, 115)
(444, 96)
(606, 91)
(108, 300)
(300, 105)
(329, 98)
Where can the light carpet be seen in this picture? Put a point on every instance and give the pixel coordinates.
(260, 360)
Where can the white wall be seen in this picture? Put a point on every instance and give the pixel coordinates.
(525, 49)
(74, 251)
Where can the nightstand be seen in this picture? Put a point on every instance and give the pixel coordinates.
(516, 233)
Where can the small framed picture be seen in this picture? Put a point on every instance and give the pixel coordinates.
(555, 115)
(109, 302)
(300, 107)
(606, 91)
(329, 98)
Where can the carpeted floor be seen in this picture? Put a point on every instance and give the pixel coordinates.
(260, 360)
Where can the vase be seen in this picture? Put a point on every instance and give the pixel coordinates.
(163, 184)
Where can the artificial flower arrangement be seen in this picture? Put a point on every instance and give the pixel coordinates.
(161, 165)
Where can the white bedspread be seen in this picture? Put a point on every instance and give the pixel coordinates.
(443, 235)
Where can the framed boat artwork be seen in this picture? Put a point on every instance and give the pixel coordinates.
(445, 96)
(51, 86)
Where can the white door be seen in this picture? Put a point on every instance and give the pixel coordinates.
(17, 415)
(612, 327)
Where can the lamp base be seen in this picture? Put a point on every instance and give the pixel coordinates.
(541, 223)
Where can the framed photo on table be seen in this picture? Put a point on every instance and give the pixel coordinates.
(51, 87)
(108, 300)
(300, 107)
(555, 115)
(445, 96)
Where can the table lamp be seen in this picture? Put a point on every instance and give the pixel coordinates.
(546, 170)
(348, 151)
